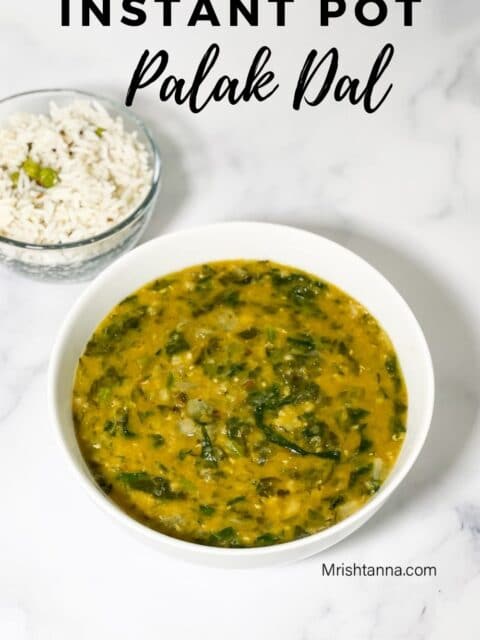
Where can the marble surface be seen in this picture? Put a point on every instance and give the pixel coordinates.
(401, 189)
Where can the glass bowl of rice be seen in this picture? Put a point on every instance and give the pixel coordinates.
(79, 179)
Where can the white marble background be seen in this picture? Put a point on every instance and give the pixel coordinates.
(401, 188)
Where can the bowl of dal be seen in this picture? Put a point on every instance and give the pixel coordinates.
(242, 394)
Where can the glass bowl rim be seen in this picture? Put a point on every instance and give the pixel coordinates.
(137, 212)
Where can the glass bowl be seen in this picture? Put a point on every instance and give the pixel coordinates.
(83, 259)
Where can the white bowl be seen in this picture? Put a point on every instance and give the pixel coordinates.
(246, 240)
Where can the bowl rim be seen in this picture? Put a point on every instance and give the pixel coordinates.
(183, 547)
(138, 211)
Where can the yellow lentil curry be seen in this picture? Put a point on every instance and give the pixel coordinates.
(239, 404)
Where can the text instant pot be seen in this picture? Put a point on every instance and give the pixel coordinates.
(320, 75)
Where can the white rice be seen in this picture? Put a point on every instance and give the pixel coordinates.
(103, 172)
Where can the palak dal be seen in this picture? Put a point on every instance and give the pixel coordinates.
(240, 404)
